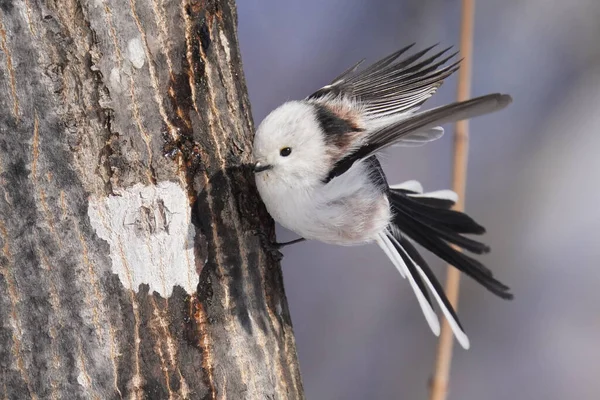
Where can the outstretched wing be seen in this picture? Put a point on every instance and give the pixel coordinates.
(392, 86)
(421, 122)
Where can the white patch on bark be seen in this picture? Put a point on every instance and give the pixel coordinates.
(115, 80)
(81, 379)
(135, 52)
(225, 45)
(150, 236)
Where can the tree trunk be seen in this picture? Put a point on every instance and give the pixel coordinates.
(128, 263)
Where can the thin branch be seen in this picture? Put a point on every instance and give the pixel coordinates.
(439, 383)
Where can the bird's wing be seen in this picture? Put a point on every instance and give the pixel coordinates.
(421, 122)
(393, 85)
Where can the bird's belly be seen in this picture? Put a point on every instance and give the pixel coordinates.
(349, 221)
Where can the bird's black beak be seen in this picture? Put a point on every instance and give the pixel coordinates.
(260, 167)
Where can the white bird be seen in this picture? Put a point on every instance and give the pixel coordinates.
(317, 172)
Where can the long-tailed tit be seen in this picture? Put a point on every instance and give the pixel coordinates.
(317, 171)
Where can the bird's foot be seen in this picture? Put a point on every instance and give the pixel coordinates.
(270, 247)
(273, 247)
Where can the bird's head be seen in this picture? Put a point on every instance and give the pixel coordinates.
(289, 146)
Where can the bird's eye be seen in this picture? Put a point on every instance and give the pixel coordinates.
(286, 151)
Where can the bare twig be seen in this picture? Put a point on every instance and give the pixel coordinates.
(439, 383)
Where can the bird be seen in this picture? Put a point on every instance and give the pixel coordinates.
(317, 171)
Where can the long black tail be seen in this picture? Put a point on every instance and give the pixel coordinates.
(428, 220)
(413, 267)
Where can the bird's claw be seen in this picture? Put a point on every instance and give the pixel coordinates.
(270, 247)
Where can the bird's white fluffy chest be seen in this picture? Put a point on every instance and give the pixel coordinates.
(349, 210)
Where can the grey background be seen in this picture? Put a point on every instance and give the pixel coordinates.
(533, 182)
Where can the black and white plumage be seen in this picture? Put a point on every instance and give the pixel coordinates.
(318, 174)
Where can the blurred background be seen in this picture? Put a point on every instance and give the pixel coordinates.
(534, 182)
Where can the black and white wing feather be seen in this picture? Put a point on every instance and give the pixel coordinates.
(421, 122)
(392, 86)
(389, 93)
(391, 89)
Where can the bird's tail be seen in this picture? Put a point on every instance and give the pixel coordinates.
(427, 219)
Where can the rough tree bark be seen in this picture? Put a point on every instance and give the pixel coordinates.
(128, 263)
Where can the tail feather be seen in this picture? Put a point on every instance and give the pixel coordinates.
(427, 219)
(389, 246)
(439, 199)
(433, 214)
(410, 264)
(443, 232)
(429, 227)
(438, 292)
(411, 186)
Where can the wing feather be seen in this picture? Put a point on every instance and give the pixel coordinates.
(392, 85)
(422, 122)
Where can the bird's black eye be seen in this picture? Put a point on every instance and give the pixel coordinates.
(286, 151)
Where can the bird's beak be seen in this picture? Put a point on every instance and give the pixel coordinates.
(259, 167)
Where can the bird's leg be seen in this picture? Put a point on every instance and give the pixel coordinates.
(273, 247)
(283, 244)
